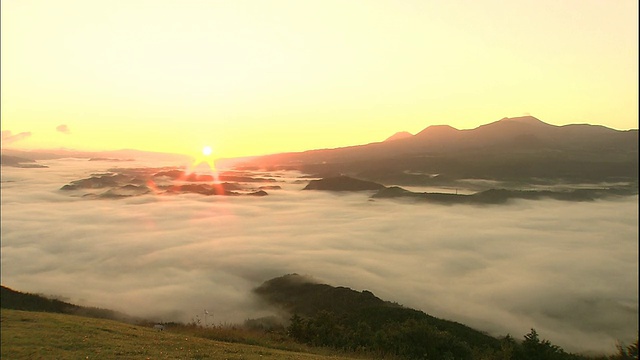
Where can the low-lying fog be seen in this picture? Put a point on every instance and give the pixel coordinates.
(567, 269)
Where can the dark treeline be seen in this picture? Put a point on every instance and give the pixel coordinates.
(371, 327)
(16, 300)
(414, 337)
(353, 321)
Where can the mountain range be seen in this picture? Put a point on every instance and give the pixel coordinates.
(512, 151)
(520, 149)
(15, 157)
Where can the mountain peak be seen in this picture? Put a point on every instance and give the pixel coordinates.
(399, 135)
(528, 119)
(437, 130)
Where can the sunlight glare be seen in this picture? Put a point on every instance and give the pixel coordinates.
(204, 161)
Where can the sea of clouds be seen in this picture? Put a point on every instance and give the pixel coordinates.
(567, 269)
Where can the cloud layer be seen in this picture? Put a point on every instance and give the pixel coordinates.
(567, 269)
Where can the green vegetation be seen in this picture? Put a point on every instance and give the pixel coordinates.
(336, 323)
(352, 321)
(418, 338)
(627, 352)
(17, 300)
(40, 335)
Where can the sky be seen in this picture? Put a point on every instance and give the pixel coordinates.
(258, 77)
(567, 269)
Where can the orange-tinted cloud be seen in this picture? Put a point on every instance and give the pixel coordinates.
(63, 129)
(8, 137)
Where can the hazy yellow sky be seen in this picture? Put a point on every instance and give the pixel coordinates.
(256, 77)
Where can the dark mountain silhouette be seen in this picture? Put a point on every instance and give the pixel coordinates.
(16, 161)
(490, 196)
(511, 149)
(11, 299)
(343, 318)
(119, 183)
(16, 300)
(342, 183)
(500, 196)
(349, 313)
(302, 295)
(108, 159)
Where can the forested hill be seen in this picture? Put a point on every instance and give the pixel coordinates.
(342, 318)
(349, 321)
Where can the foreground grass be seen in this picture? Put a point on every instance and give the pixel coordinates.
(37, 335)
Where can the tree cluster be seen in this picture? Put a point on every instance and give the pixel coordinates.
(420, 338)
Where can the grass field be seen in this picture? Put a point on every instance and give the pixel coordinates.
(38, 335)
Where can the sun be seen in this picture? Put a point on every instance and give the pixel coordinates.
(204, 161)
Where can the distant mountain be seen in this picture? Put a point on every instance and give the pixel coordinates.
(490, 196)
(342, 183)
(521, 149)
(501, 196)
(399, 135)
(16, 161)
(115, 155)
(119, 183)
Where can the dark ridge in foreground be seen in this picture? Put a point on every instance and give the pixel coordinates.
(15, 300)
(302, 295)
(354, 323)
(342, 318)
(350, 309)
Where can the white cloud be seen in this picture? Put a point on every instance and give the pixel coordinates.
(567, 269)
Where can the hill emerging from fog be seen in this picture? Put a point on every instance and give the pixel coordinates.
(343, 318)
(340, 319)
(522, 149)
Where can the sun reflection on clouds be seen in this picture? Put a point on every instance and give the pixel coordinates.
(199, 168)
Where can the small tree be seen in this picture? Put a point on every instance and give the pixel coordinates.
(627, 353)
(297, 328)
(535, 349)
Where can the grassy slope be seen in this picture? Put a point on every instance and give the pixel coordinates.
(37, 335)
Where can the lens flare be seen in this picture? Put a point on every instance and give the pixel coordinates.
(204, 162)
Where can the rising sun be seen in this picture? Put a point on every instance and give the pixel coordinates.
(204, 161)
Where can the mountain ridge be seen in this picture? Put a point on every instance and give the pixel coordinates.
(513, 149)
(399, 135)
